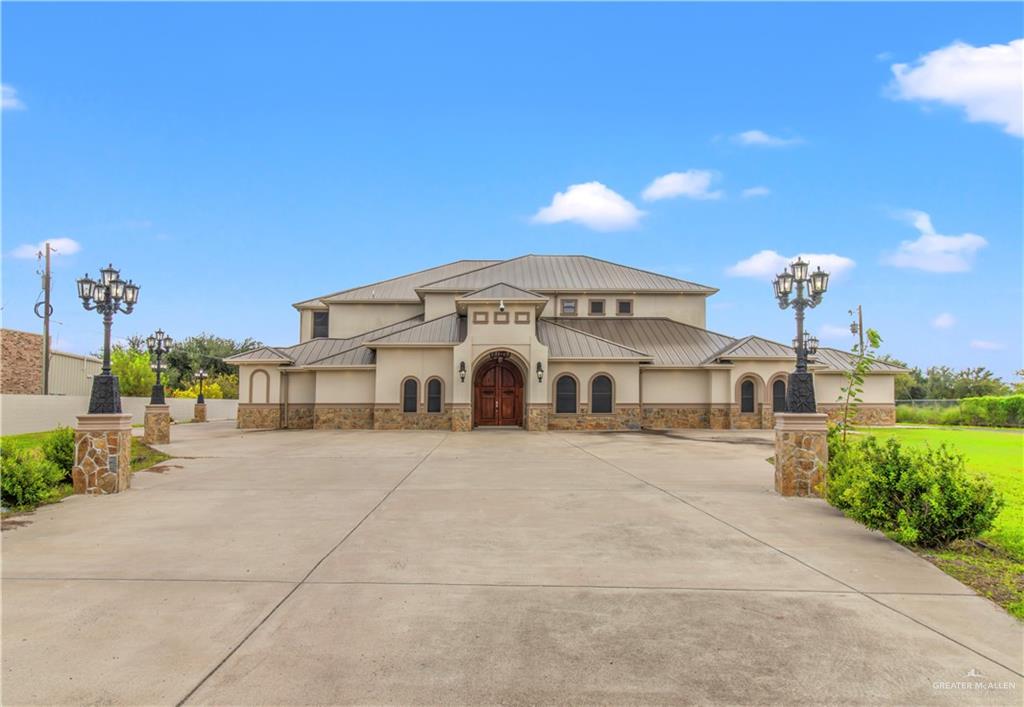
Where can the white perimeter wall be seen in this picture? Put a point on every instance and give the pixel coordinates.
(39, 413)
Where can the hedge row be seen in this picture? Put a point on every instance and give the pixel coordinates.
(988, 411)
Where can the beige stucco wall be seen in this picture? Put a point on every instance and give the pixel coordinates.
(345, 386)
(348, 320)
(438, 305)
(878, 389)
(300, 387)
(764, 370)
(258, 384)
(675, 387)
(625, 379)
(688, 309)
(396, 364)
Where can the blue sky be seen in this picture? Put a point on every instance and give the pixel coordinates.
(236, 158)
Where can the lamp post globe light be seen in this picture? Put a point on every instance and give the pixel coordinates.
(799, 289)
(158, 343)
(107, 295)
(201, 374)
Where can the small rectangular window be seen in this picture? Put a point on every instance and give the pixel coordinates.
(624, 307)
(480, 317)
(569, 307)
(501, 317)
(597, 307)
(522, 317)
(320, 322)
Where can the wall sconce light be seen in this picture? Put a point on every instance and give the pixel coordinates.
(462, 371)
(540, 372)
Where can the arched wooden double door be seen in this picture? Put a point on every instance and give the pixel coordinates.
(498, 395)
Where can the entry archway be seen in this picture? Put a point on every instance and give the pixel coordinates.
(497, 393)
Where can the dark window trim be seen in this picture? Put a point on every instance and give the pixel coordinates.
(575, 305)
(501, 317)
(440, 395)
(619, 313)
(522, 317)
(405, 397)
(611, 394)
(481, 317)
(753, 397)
(326, 316)
(576, 394)
(590, 307)
(775, 398)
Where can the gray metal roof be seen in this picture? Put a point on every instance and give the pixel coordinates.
(264, 353)
(359, 356)
(567, 343)
(754, 347)
(503, 290)
(398, 289)
(837, 360)
(449, 329)
(550, 273)
(670, 343)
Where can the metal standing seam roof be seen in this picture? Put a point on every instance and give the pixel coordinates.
(754, 347)
(564, 342)
(503, 290)
(448, 329)
(264, 353)
(837, 360)
(669, 342)
(398, 289)
(550, 273)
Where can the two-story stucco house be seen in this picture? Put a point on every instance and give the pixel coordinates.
(541, 342)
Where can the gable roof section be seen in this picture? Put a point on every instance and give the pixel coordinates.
(397, 289)
(564, 342)
(668, 342)
(443, 331)
(550, 273)
(503, 291)
(266, 354)
(838, 360)
(753, 347)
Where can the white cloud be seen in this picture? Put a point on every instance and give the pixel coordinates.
(756, 191)
(592, 204)
(944, 321)
(833, 332)
(62, 246)
(986, 345)
(766, 264)
(760, 138)
(9, 98)
(933, 251)
(984, 81)
(693, 184)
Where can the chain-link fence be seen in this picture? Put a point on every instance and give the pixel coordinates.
(930, 403)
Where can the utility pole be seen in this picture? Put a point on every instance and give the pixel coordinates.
(857, 327)
(47, 311)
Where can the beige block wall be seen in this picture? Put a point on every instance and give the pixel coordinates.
(396, 364)
(345, 386)
(348, 320)
(625, 379)
(256, 381)
(675, 387)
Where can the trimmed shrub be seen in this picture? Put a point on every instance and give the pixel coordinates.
(931, 415)
(27, 478)
(59, 448)
(915, 496)
(994, 411)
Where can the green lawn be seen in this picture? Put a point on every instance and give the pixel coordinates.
(996, 571)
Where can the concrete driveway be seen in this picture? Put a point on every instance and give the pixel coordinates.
(302, 567)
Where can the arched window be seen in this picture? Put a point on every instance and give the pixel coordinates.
(747, 396)
(410, 391)
(434, 395)
(565, 394)
(779, 396)
(601, 394)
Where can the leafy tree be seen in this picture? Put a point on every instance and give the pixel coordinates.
(1018, 385)
(978, 382)
(210, 390)
(133, 371)
(908, 386)
(203, 351)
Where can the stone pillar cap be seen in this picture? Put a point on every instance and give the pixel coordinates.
(104, 421)
(801, 421)
(165, 407)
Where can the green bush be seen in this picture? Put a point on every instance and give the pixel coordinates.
(931, 415)
(59, 448)
(994, 411)
(132, 368)
(27, 478)
(915, 496)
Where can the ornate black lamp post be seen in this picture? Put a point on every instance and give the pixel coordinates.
(107, 295)
(809, 291)
(201, 375)
(159, 343)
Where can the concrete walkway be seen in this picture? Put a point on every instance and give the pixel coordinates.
(303, 567)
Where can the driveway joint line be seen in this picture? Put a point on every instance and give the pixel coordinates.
(796, 559)
(313, 569)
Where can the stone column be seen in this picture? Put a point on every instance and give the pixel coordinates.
(801, 453)
(158, 424)
(103, 454)
(462, 417)
(199, 415)
(537, 417)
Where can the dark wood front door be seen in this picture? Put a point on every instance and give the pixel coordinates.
(498, 395)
